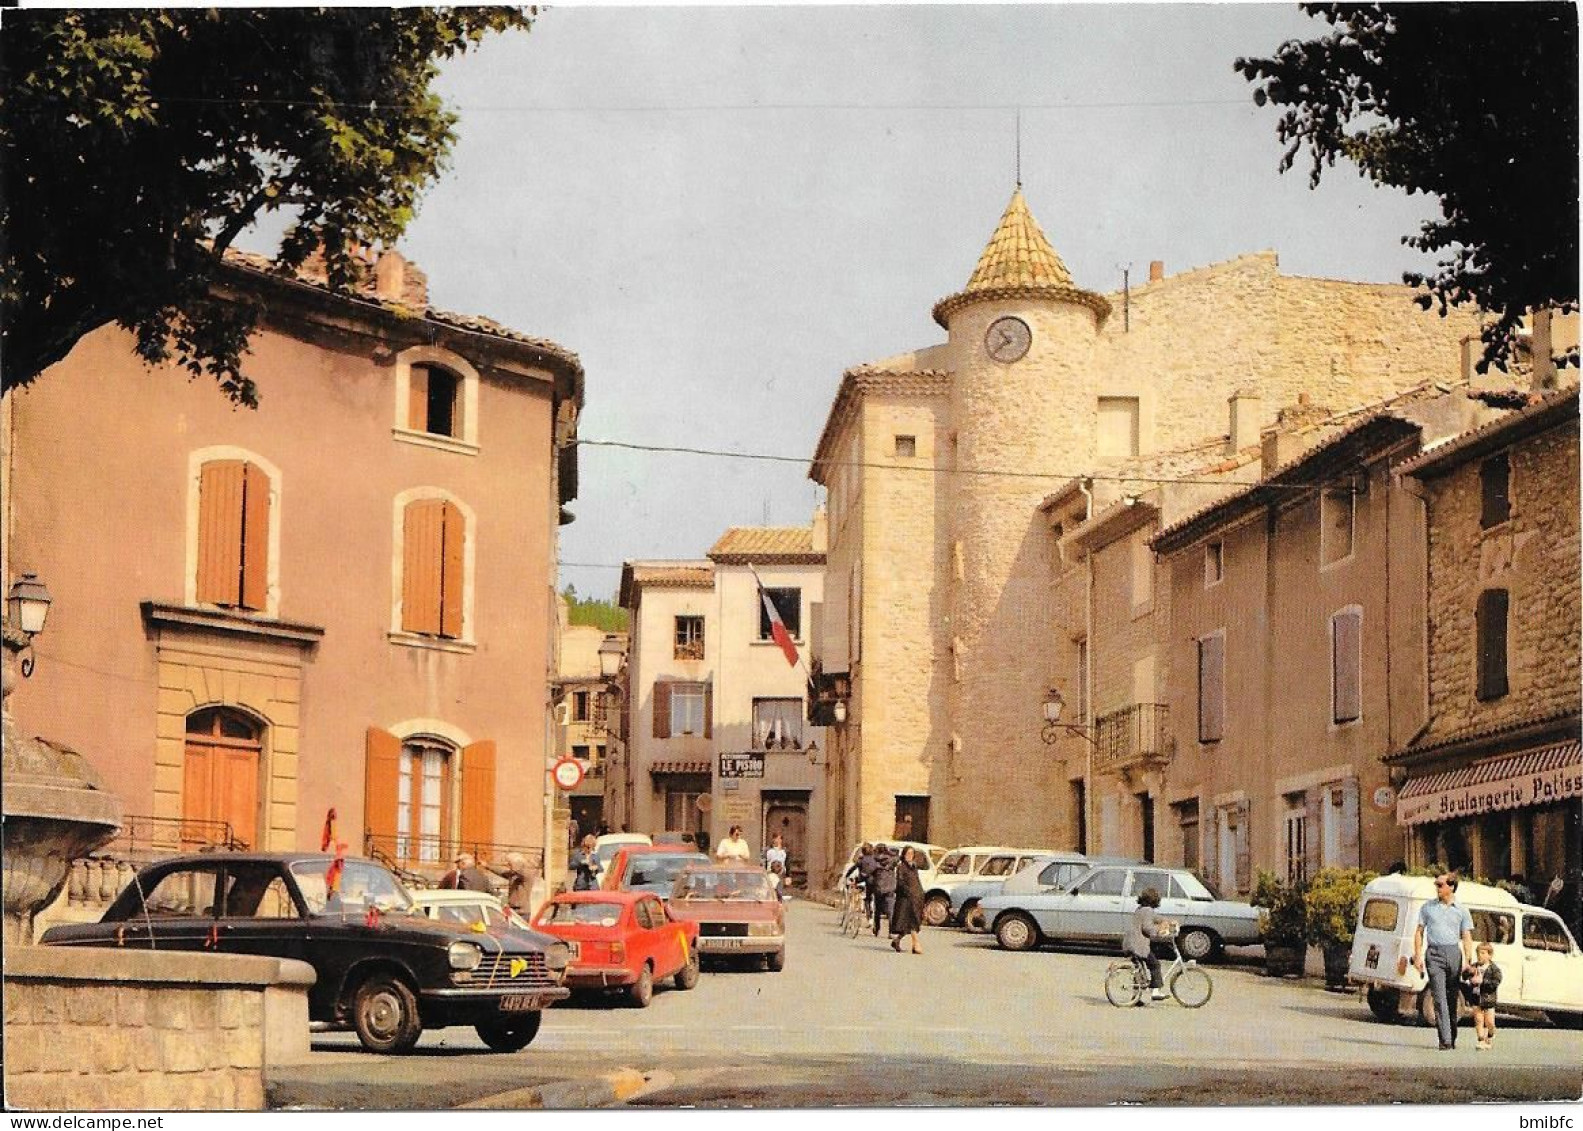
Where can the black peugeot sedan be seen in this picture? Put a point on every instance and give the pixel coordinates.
(383, 968)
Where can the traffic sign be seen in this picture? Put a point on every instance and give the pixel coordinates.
(568, 773)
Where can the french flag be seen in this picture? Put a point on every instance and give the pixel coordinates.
(777, 626)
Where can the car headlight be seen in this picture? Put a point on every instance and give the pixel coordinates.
(763, 929)
(557, 956)
(464, 955)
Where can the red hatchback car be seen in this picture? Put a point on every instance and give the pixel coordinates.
(621, 940)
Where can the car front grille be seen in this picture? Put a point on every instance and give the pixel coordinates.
(723, 930)
(495, 971)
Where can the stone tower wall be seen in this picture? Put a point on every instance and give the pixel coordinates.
(1034, 415)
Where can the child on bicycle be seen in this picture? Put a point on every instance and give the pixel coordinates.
(1146, 926)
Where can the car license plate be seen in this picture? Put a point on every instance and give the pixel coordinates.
(727, 944)
(521, 1003)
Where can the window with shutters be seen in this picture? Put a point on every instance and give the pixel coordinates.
(1346, 666)
(682, 708)
(435, 562)
(436, 400)
(423, 796)
(427, 795)
(232, 566)
(579, 706)
(1495, 491)
(1490, 618)
(1211, 687)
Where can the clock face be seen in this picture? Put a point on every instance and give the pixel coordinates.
(1008, 339)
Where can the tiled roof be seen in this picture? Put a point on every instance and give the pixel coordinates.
(865, 380)
(662, 575)
(1019, 262)
(252, 262)
(741, 545)
(1544, 411)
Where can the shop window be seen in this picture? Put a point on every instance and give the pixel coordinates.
(233, 535)
(1490, 619)
(1495, 491)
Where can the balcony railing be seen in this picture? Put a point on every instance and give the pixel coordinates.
(1136, 734)
(96, 880)
(421, 861)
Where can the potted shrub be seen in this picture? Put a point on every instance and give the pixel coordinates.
(1282, 924)
(1331, 909)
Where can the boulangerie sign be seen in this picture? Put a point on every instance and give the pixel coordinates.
(1539, 785)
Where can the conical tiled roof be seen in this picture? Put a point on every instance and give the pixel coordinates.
(1018, 255)
(1019, 262)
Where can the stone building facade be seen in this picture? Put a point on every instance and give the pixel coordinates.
(338, 600)
(947, 622)
(1492, 782)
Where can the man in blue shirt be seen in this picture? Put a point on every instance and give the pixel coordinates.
(1445, 935)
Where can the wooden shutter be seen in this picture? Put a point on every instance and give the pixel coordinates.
(1211, 688)
(255, 538)
(1494, 484)
(453, 564)
(1350, 832)
(478, 793)
(1491, 625)
(662, 710)
(423, 544)
(418, 398)
(220, 488)
(381, 786)
(709, 710)
(1346, 680)
(1313, 829)
(1212, 849)
(197, 785)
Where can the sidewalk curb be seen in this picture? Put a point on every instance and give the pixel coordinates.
(598, 1091)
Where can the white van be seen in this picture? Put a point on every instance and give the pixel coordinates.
(1541, 965)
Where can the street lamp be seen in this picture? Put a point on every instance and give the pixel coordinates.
(1054, 704)
(27, 606)
(813, 753)
(840, 711)
(610, 654)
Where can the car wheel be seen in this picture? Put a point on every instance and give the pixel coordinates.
(936, 911)
(777, 961)
(1197, 943)
(1385, 1004)
(510, 1036)
(641, 992)
(385, 1014)
(973, 918)
(687, 976)
(1016, 931)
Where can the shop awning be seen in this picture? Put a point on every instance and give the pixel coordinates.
(1512, 781)
(679, 768)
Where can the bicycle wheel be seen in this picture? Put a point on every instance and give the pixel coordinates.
(1191, 986)
(1122, 986)
(854, 921)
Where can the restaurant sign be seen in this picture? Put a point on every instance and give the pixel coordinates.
(749, 765)
(1540, 787)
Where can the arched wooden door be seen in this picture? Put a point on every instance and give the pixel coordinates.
(789, 818)
(220, 777)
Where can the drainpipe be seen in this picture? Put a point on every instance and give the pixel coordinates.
(1090, 831)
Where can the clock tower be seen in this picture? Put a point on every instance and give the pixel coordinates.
(1022, 339)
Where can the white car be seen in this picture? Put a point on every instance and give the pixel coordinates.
(932, 853)
(453, 905)
(605, 849)
(1541, 965)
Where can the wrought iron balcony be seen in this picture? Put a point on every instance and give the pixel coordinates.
(1137, 734)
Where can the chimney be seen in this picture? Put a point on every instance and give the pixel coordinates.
(1156, 270)
(1246, 411)
(390, 276)
(1541, 349)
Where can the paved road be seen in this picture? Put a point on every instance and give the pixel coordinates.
(853, 1022)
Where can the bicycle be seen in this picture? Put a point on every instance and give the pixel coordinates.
(1127, 983)
(852, 917)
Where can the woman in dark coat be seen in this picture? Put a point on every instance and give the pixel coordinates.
(907, 918)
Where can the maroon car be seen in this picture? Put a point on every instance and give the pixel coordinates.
(737, 909)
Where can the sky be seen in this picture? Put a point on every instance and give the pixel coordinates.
(721, 209)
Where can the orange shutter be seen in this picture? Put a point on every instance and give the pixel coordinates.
(418, 398)
(478, 793)
(237, 793)
(197, 782)
(381, 786)
(662, 710)
(220, 532)
(255, 537)
(423, 542)
(454, 537)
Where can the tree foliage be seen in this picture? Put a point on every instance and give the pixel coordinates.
(600, 613)
(1473, 103)
(136, 145)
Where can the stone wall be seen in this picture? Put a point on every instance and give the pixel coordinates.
(184, 1032)
(1534, 555)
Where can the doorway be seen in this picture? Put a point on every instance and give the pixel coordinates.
(220, 778)
(912, 819)
(786, 815)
